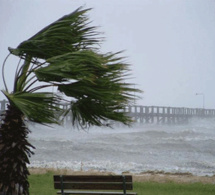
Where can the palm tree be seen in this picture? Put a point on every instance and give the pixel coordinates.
(64, 55)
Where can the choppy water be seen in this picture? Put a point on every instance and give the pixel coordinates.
(189, 148)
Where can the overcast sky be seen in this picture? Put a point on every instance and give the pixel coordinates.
(170, 44)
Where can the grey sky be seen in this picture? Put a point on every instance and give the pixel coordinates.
(170, 43)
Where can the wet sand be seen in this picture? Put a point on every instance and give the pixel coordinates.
(159, 177)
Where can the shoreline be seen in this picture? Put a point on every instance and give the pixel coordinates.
(149, 176)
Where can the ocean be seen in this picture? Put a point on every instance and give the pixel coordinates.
(159, 148)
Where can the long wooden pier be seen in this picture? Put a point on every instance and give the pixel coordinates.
(156, 114)
(167, 115)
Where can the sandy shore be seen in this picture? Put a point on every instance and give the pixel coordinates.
(140, 177)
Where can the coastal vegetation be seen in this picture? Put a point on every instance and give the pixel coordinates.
(61, 64)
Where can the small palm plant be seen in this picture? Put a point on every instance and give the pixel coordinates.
(64, 55)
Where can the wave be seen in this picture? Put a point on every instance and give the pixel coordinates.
(120, 167)
(136, 149)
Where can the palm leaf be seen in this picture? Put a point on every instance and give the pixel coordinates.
(68, 34)
(80, 65)
(87, 112)
(37, 107)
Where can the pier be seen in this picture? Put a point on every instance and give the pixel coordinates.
(167, 115)
(155, 114)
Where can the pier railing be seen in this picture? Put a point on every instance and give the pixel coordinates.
(155, 114)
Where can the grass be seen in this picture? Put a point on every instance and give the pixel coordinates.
(42, 184)
(153, 188)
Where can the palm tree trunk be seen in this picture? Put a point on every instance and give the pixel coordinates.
(15, 151)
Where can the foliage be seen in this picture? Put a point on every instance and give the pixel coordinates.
(64, 55)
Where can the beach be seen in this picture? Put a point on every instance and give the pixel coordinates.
(140, 177)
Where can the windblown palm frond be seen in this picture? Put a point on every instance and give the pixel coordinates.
(38, 107)
(93, 79)
(87, 112)
(80, 65)
(68, 34)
